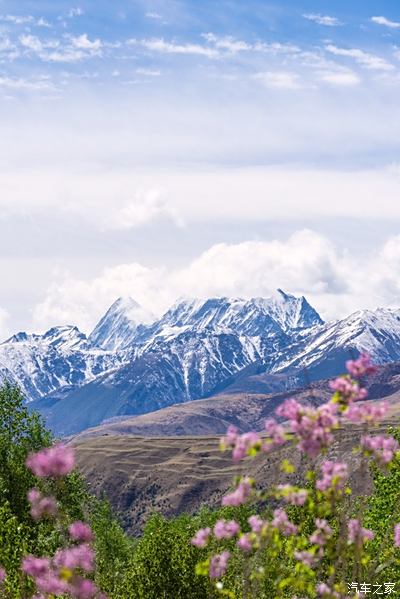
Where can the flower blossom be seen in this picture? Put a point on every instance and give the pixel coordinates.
(361, 367)
(225, 529)
(282, 523)
(334, 476)
(357, 533)
(2, 575)
(323, 532)
(201, 537)
(292, 495)
(244, 543)
(306, 557)
(348, 389)
(256, 523)
(313, 427)
(56, 461)
(79, 531)
(397, 535)
(381, 447)
(367, 412)
(239, 495)
(219, 564)
(276, 434)
(41, 506)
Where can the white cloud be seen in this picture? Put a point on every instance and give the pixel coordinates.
(160, 45)
(74, 12)
(306, 263)
(81, 302)
(370, 61)
(282, 80)
(84, 43)
(227, 43)
(153, 15)
(4, 324)
(323, 20)
(17, 19)
(148, 72)
(386, 22)
(39, 84)
(43, 23)
(341, 78)
(31, 42)
(147, 207)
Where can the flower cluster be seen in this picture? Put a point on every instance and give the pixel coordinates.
(240, 495)
(55, 462)
(361, 367)
(334, 476)
(367, 412)
(41, 506)
(357, 534)
(311, 430)
(312, 426)
(381, 447)
(292, 495)
(66, 573)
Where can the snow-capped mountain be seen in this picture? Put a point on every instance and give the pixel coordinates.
(42, 364)
(252, 318)
(196, 349)
(325, 348)
(118, 328)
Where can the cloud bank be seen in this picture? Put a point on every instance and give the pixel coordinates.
(306, 263)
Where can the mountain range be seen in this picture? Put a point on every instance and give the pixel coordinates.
(133, 363)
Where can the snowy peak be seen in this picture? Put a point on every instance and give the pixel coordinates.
(66, 337)
(293, 312)
(253, 317)
(117, 329)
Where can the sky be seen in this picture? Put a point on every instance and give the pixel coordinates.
(175, 148)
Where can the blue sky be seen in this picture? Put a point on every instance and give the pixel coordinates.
(154, 145)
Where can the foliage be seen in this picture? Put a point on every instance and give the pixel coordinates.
(316, 544)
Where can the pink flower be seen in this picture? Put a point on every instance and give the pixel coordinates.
(2, 575)
(35, 566)
(397, 535)
(291, 495)
(323, 590)
(201, 537)
(41, 506)
(361, 367)
(56, 461)
(256, 523)
(335, 475)
(367, 412)
(244, 444)
(348, 389)
(79, 531)
(312, 427)
(231, 437)
(219, 564)
(83, 588)
(81, 556)
(323, 532)
(226, 530)
(244, 543)
(357, 533)
(282, 523)
(276, 434)
(382, 448)
(240, 495)
(306, 557)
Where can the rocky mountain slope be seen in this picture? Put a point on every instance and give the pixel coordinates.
(132, 364)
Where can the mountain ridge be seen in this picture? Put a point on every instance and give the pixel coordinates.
(197, 349)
